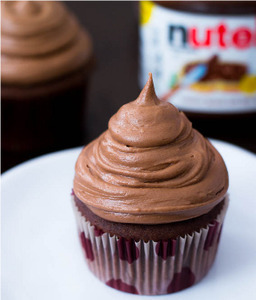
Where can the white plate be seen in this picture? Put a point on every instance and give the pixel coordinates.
(41, 254)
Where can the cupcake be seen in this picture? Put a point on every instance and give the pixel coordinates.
(150, 196)
(46, 62)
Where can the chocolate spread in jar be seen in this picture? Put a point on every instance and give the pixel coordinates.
(217, 70)
(203, 58)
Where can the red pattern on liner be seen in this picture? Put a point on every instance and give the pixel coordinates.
(122, 286)
(127, 250)
(98, 231)
(181, 280)
(87, 246)
(165, 249)
(211, 234)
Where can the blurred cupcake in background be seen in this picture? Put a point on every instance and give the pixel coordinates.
(46, 62)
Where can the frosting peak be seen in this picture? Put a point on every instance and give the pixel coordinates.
(148, 95)
(40, 41)
(150, 166)
(147, 121)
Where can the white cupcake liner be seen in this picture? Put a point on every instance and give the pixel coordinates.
(150, 268)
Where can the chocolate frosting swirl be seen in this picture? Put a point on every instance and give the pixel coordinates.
(150, 166)
(40, 41)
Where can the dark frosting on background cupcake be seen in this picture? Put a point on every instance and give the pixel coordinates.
(150, 166)
(40, 41)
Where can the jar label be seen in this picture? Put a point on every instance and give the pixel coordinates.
(200, 63)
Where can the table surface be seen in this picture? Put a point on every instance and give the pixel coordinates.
(114, 82)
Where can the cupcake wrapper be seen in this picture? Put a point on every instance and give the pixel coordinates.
(150, 268)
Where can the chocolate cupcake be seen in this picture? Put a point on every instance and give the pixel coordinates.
(46, 61)
(150, 196)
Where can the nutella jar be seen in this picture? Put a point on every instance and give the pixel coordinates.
(203, 58)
